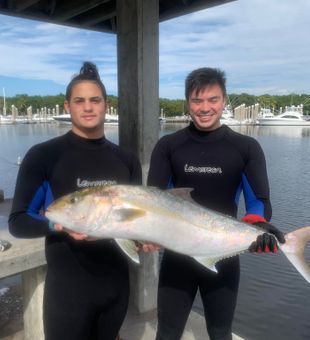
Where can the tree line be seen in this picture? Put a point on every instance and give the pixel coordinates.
(167, 107)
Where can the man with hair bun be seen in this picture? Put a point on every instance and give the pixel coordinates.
(87, 282)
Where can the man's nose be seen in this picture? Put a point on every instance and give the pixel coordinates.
(205, 106)
(87, 105)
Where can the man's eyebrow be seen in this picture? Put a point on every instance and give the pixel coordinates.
(214, 97)
(95, 97)
(210, 98)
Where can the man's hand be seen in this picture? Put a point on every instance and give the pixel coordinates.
(73, 234)
(147, 247)
(267, 242)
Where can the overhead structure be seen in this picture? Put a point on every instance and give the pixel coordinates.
(97, 15)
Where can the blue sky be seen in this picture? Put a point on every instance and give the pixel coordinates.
(262, 45)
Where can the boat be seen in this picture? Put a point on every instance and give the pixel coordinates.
(229, 121)
(66, 119)
(178, 119)
(265, 113)
(111, 119)
(63, 118)
(227, 117)
(288, 118)
(6, 119)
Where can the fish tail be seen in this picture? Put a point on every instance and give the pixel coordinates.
(294, 249)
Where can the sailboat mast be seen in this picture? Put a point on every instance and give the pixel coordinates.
(4, 105)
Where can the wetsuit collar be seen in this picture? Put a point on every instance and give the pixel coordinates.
(206, 136)
(85, 142)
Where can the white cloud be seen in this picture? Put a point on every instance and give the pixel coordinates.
(263, 45)
(33, 50)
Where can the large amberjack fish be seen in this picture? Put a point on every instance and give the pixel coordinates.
(127, 213)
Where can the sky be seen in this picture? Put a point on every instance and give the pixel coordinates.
(262, 45)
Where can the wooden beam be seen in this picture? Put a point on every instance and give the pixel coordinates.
(98, 15)
(20, 5)
(70, 9)
(169, 11)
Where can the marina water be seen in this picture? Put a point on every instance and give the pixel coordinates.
(273, 301)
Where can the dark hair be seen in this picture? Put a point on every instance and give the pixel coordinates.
(199, 79)
(88, 72)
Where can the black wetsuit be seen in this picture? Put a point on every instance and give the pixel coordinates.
(87, 283)
(218, 165)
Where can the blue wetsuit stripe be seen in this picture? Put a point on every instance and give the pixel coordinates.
(39, 200)
(49, 197)
(170, 184)
(238, 193)
(252, 203)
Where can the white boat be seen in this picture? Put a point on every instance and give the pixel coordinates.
(265, 113)
(6, 119)
(66, 119)
(227, 118)
(111, 119)
(229, 121)
(63, 118)
(288, 118)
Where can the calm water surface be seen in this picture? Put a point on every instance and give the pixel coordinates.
(274, 300)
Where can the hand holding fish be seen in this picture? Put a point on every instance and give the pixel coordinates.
(267, 242)
(73, 234)
(147, 247)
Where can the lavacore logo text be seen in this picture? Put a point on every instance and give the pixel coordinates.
(203, 169)
(84, 183)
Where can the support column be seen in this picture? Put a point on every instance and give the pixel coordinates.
(138, 107)
(138, 58)
(33, 287)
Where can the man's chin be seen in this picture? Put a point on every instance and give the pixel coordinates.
(206, 125)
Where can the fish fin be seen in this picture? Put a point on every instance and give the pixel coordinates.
(294, 248)
(129, 214)
(129, 248)
(207, 262)
(184, 193)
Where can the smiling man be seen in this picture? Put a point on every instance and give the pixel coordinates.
(218, 164)
(206, 104)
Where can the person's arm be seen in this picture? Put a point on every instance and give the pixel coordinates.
(32, 195)
(257, 200)
(160, 172)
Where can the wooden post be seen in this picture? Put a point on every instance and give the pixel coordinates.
(138, 78)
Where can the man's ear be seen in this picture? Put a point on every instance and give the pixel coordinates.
(67, 106)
